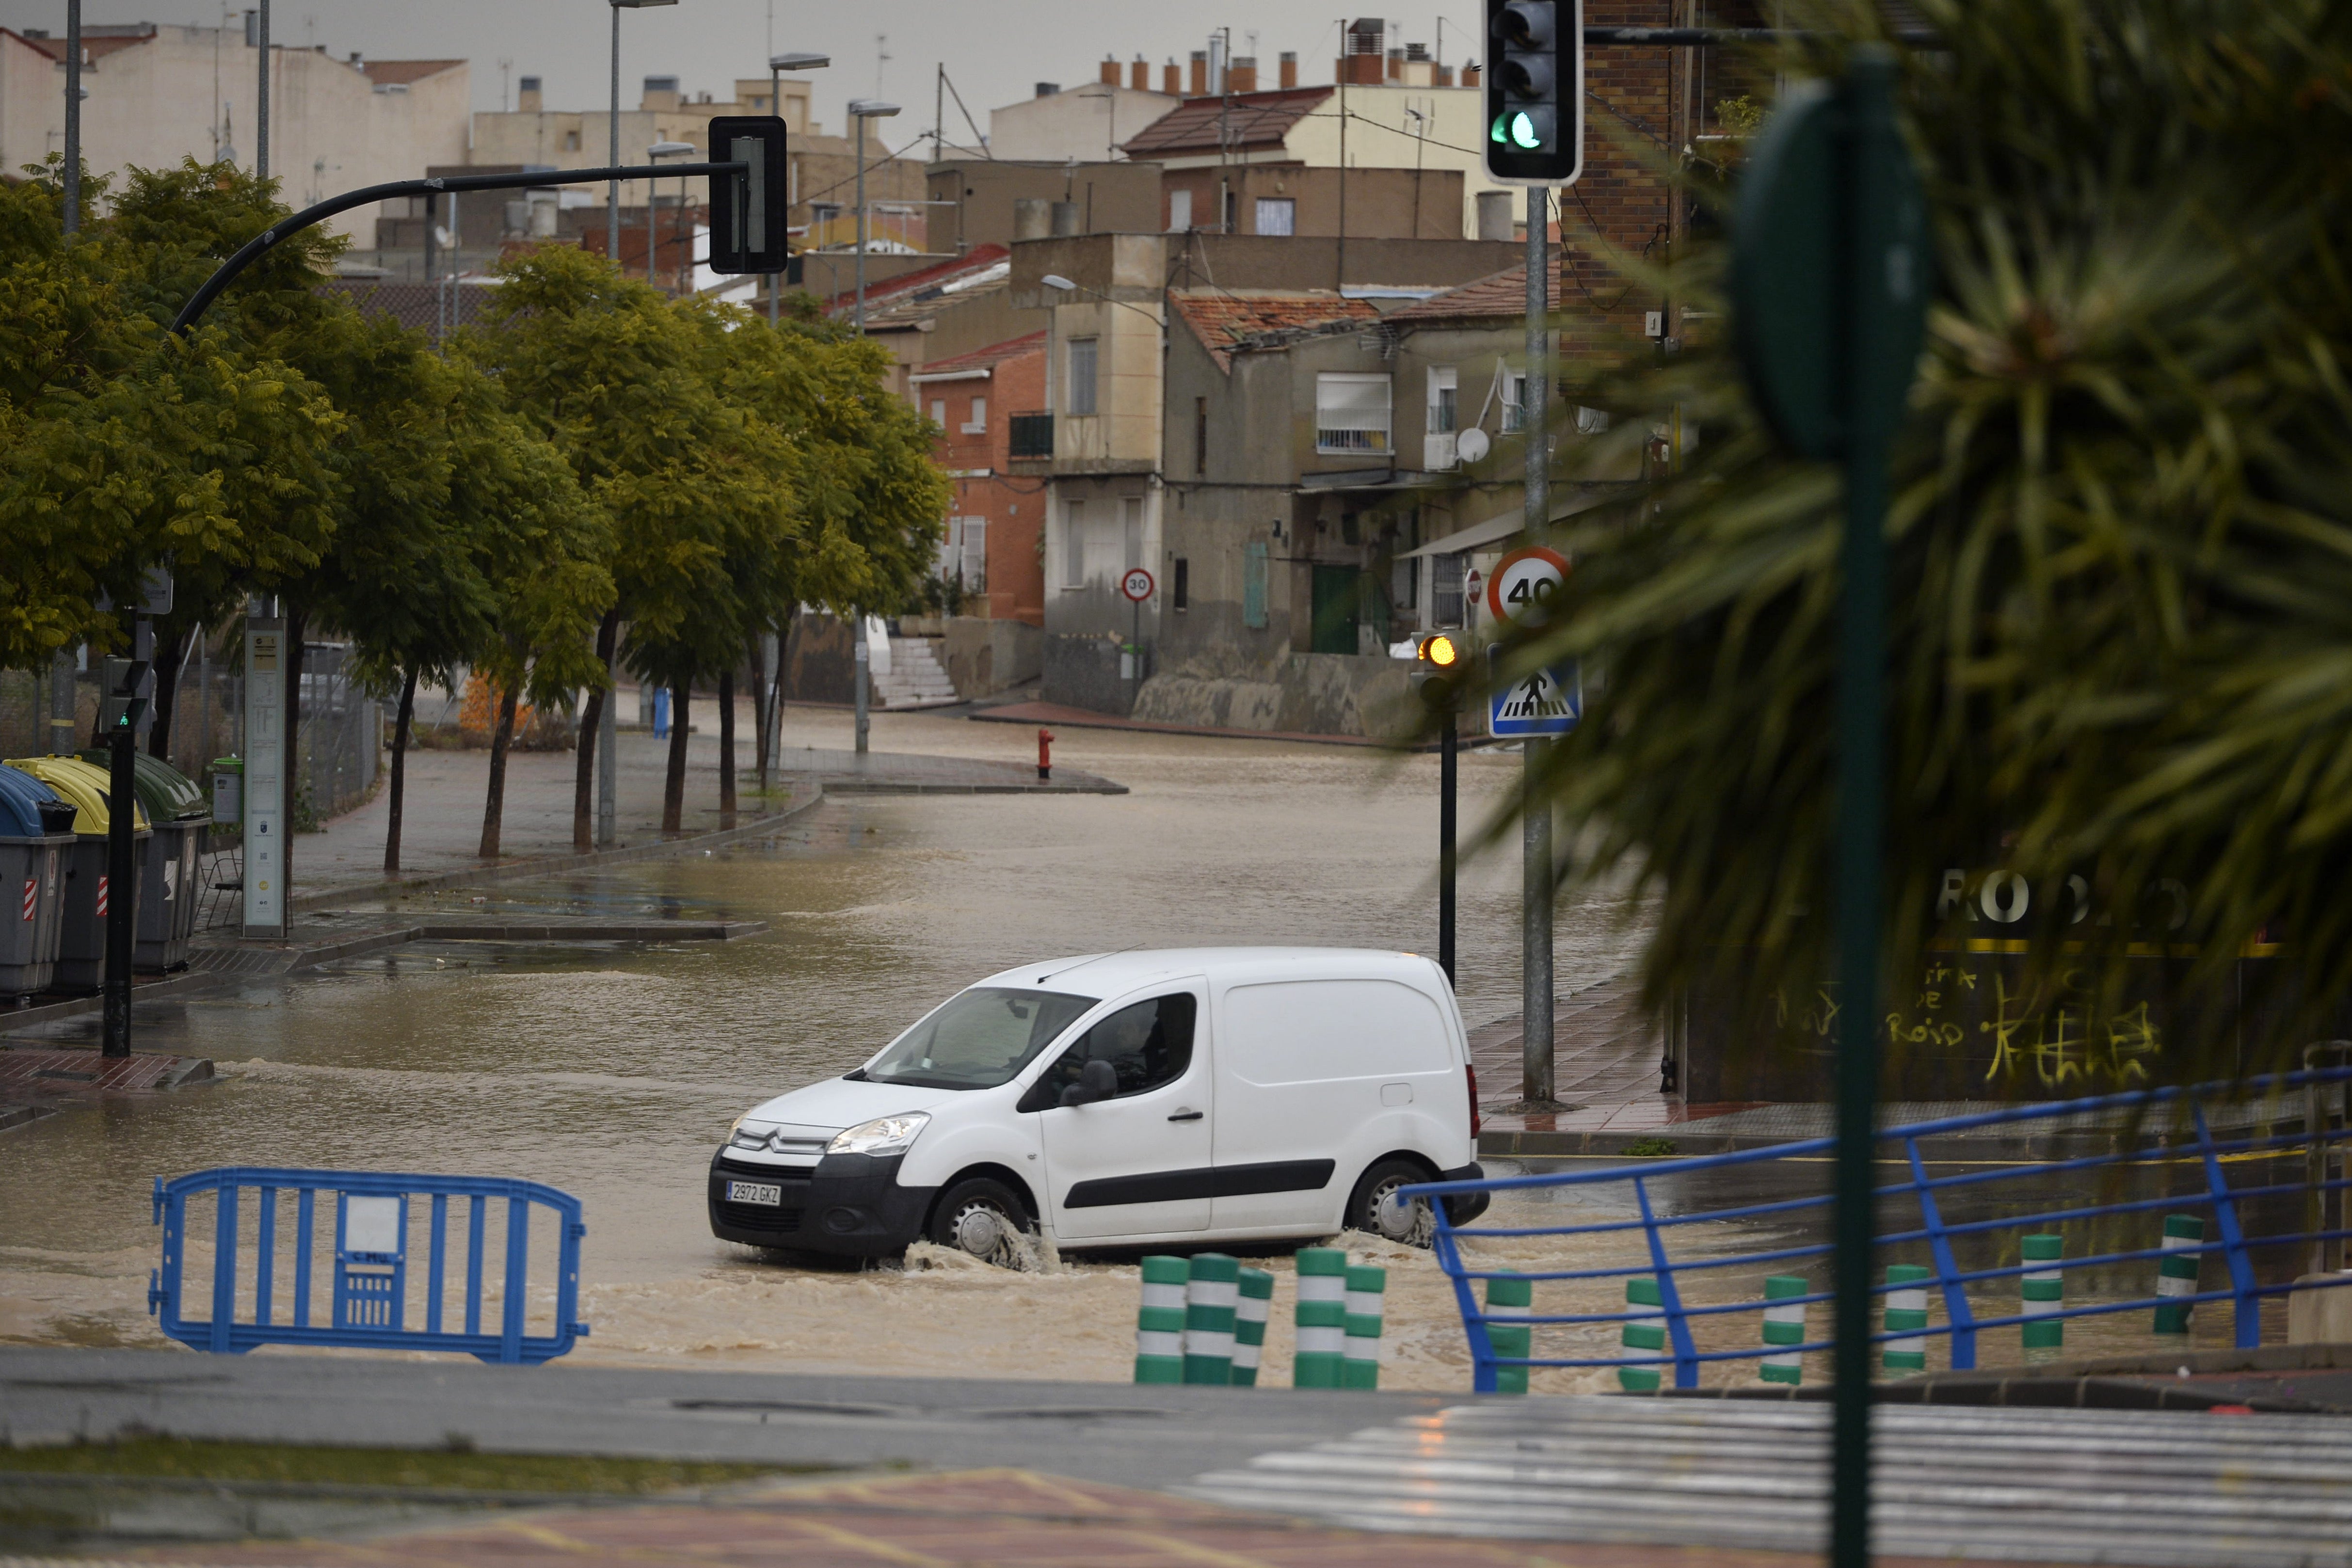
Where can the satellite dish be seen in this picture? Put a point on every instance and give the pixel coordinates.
(1472, 445)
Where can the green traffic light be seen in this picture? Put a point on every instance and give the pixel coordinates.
(1497, 134)
(1523, 132)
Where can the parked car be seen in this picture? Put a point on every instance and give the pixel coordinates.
(1185, 1096)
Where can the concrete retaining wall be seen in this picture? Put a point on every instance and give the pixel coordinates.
(1301, 693)
(984, 656)
(1081, 670)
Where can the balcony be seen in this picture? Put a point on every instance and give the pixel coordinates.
(1032, 437)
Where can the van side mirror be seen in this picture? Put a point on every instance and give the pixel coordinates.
(1097, 1080)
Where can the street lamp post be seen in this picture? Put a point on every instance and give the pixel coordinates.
(654, 155)
(862, 110)
(608, 734)
(790, 60)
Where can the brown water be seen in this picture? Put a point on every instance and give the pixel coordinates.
(612, 1072)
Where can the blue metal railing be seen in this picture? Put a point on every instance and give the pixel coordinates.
(1933, 1235)
(369, 1304)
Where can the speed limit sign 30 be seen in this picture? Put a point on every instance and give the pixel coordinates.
(1137, 585)
(1526, 585)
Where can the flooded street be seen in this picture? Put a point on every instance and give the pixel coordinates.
(613, 1072)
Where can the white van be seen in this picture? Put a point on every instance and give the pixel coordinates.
(1116, 1099)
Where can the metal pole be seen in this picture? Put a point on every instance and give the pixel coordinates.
(121, 888)
(864, 670)
(613, 157)
(1535, 810)
(608, 754)
(261, 94)
(858, 150)
(73, 117)
(776, 107)
(1448, 773)
(1869, 202)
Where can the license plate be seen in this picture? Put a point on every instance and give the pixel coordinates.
(755, 1192)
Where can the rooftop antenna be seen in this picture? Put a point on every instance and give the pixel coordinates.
(881, 57)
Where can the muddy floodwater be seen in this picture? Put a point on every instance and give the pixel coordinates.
(613, 1072)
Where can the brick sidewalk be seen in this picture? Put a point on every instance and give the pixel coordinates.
(973, 1519)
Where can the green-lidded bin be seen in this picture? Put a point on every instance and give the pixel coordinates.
(82, 945)
(1784, 1324)
(1642, 1336)
(1510, 1296)
(1160, 1322)
(168, 878)
(35, 841)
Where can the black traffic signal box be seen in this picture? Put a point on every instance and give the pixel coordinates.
(748, 211)
(1534, 91)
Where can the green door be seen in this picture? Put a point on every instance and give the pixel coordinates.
(1335, 608)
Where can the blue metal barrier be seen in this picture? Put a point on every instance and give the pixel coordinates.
(368, 1303)
(1933, 1238)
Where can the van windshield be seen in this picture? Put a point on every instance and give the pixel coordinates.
(979, 1039)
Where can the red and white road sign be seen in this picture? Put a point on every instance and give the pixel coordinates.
(101, 898)
(1525, 584)
(32, 896)
(1137, 585)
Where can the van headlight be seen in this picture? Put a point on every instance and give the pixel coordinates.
(883, 1135)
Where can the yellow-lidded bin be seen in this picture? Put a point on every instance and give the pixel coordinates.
(81, 948)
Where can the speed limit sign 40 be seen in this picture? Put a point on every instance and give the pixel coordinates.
(1525, 585)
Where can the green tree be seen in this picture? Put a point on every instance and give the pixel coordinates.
(2121, 545)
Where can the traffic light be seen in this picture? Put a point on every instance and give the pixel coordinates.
(119, 704)
(1441, 671)
(1534, 91)
(748, 212)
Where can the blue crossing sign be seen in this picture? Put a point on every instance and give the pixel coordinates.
(1546, 701)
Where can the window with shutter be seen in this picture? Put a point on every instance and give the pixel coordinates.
(1352, 412)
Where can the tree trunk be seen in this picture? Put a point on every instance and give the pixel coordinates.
(168, 658)
(493, 812)
(400, 726)
(726, 748)
(298, 625)
(776, 690)
(674, 786)
(759, 706)
(592, 722)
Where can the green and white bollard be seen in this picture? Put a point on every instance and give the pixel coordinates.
(1159, 1325)
(1649, 1336)
(1511, 1298)
(2175, 1271)
(1907, 1310)
(1209, 1298)
(1784, 1324)
(1366, 1284)
(2044, 1292)
(1321, 1315)
(1250, 1313)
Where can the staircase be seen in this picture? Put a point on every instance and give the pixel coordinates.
(914, 679)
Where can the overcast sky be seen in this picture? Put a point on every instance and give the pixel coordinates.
(994, 50)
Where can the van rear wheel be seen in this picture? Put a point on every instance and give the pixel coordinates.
(985, 1218)
(1375, 1209)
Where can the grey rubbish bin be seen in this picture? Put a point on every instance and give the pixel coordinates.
(81, 951)
(169, 883)
(36, 832)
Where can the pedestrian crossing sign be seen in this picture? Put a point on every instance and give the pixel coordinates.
(1546, 701)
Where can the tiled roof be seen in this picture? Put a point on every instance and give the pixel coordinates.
(902, 290)
(1245, 120)
(1489, 299)
(1224, 322)
(412, 304)
(985, 359)
(95, 43)
(393, 72)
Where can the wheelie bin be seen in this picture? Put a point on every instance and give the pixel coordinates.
(35, 836)
(168, 879)
(81, 951)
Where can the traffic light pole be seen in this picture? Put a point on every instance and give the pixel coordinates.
(1448, 774)
(1536, 871)
(120, 887)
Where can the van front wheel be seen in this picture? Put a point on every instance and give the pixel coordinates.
(985, 1218)
(1375, 1209)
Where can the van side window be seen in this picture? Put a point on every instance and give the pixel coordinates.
(1148, 1044)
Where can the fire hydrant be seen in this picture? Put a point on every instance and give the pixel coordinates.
(1045, 755)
